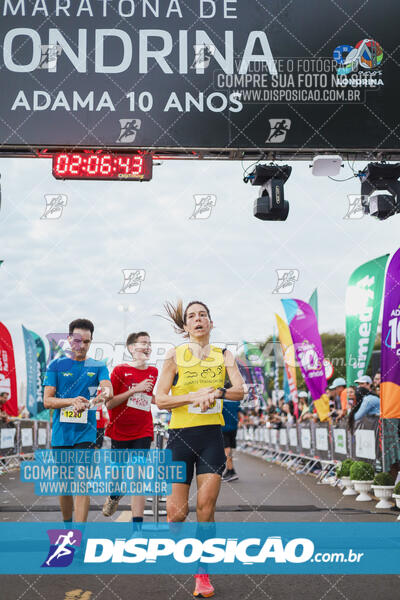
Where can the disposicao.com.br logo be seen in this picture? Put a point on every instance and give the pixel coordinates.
(247, 551)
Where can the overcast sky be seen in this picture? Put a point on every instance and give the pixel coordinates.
(58, 270)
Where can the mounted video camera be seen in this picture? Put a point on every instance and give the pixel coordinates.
(380, 190)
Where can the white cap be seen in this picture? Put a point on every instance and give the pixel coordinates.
(364, 379)
(337, 382)
(302, 395)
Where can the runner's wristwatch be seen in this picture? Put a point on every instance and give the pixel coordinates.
(223, 390)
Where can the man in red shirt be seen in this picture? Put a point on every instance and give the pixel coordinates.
(131, 422)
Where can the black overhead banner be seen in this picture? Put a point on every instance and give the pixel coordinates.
(224, 74)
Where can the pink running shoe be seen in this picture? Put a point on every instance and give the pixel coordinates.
(203, 588)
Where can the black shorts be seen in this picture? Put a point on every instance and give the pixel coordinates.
(230, 438)
(143, 443)
(202, 446)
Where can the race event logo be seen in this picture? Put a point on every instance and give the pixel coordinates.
(286, 281)
(202, 56)
(361, 60)
(132, 280)
(48, 57)
(129, 129)
(63, 544)
(278, 130)
(55, 204)
(355, 210)
(203, 205)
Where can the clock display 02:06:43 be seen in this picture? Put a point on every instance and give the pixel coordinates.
(83, 165)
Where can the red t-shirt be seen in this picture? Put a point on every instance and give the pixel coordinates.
(127, 421)
(101, 418)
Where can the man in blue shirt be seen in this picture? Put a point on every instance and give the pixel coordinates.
(70, 384)
(230, 412)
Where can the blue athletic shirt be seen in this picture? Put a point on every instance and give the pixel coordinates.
(230, 412)
(73, 378)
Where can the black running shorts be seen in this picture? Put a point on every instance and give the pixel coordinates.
(230, 438)
(202, 446)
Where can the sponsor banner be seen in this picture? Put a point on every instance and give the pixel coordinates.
(151, 74)
(41, 368)
(32, 373)
(8, 377)
(286, 342)
(363, 305)
(313, 302)
(390, 350)
(303, 327)
(225, 548)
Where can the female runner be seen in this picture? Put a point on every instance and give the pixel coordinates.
(194, 373)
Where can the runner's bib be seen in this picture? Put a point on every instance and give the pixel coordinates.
(215, 409)
(140, 401)
(68, 415)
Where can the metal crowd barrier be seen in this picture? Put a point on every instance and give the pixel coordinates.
(305, 445)
(19, 438)
(160, 442)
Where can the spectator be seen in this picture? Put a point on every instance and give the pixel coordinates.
(304, 410)
(351, 397)
(4, 396)
(377, 383)
(288, 416)
(273, 418)
(367, 403)
(339, 390)
(261, 417)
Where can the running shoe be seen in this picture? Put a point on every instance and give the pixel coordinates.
(203, 588)
(225, 475)
(110, 506)
(230, 476)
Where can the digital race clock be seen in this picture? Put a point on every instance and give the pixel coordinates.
(100, 165)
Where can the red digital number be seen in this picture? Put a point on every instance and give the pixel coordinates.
(137, 165)
(76, 161)
(62, 164)
(93, 164)
(124, 164)
(106, 164)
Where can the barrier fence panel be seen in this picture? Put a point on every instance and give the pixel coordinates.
(365, 442)
(293, 439)
(341, 441)
(42, 434)
(274, 439)
(322, 441)
(25, 437)
(283, 440)
(306, 445)
(8, 439)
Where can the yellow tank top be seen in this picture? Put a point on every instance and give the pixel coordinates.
(194, 374)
